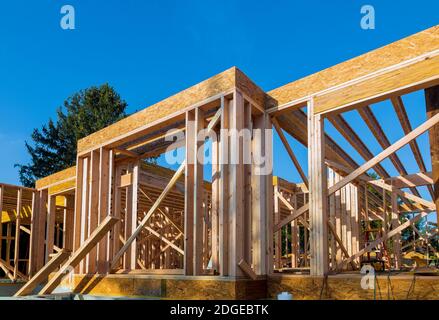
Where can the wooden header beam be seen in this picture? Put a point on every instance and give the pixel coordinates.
(376, 73)
(173, 108)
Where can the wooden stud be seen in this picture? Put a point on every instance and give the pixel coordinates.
(432, 105)
(318, 193)
(189, 195)
(198, 191)
(385, 153)
(17, 231)
(43, 273)
(50, 227)
(224, 189)
(139, 228)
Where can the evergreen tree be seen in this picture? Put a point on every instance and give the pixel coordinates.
(53, 147)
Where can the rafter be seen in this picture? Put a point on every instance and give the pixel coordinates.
(374, 126)
(400, 110)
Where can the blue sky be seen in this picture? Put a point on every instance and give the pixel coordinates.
(149, 50)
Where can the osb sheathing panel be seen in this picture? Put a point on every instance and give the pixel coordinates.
(55, 178)
(424, 73)
(392, 54)
(63, 187)
(344, 287)
(220, 83)
(167, 287)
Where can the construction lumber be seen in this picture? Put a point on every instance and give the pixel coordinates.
(404, 194)
(139, 228)
(385, 237)
(236, 180)
(371, 121)
(432, 103)
(198, 191)
(340, 243)
(50, 226)
(351, 136)
(398, 105)
(17, 232)
(43, 273)
(400, 79)
(297, 213)
(224, 189)
(189, 200)
(80, 254)
(169, 243)
(385, 153)
(298, 92)
(246, 268)
(290, 151)
(411, 180)
(172, 109)
(318, 192)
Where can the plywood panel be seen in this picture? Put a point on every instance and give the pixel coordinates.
(424, 74)
(392, 54)
(56, 178)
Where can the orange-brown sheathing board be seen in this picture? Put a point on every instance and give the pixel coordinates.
(220, 83)
(57, 178)
(387, 56)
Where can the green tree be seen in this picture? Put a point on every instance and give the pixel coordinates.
(53, 147)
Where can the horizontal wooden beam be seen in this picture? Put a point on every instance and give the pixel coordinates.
(385, 153)
(411, 180)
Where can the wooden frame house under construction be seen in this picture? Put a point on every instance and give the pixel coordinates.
(116, 225)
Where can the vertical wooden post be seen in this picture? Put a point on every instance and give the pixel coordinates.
(269, 190)
(277, 236)
(40, 229)
(396, 238)
(105, 172)
(294, 237)
(236, 185)
(134, 204)
(50, 227)
(198, 191)
(261, 190)
(247, 190)
(84, 207)
(8, 242)
(17, 232)
(333, 245)
(115, 234)
(189, 195)
(93, 208)
(215, 201)
(78, 206)
(224, 189)
(432, 104)
(69, 221)
(318, 193)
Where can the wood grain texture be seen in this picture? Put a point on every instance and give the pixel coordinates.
(392, 54)
(416, 76)
(55, 178)
(178, 103)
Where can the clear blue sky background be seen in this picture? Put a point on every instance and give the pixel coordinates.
(149, 50)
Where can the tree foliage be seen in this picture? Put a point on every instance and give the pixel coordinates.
(53, 147)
